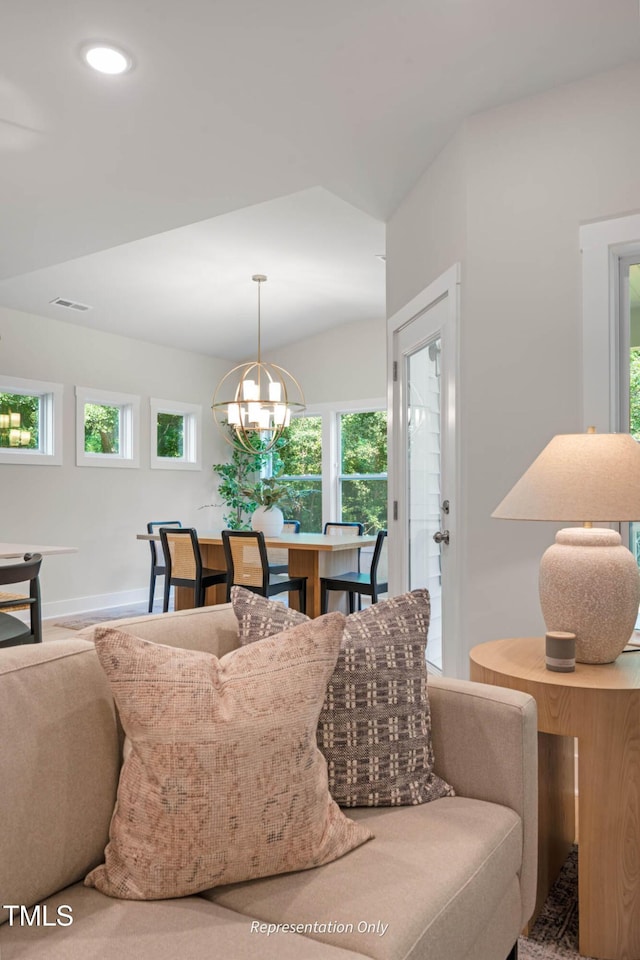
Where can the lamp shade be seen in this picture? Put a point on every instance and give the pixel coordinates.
(579, 477)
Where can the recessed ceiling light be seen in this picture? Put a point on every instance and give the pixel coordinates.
(106, 59)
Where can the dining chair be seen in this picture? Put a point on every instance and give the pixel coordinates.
(279, 559)
(248, 566)
(346, 528)
(158, 568)
(183, 562)
(354, 582)
(12, 630)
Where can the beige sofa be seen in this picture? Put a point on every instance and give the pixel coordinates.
(448, 880)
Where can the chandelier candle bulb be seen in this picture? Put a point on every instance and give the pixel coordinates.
(560, 651)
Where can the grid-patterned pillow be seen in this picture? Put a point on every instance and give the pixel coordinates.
(224, 781)
(375, 724)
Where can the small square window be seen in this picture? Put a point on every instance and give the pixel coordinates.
(175, 435)
(30, 421)
(107, 428)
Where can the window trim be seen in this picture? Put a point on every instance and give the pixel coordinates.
(192, 439)
(129, 404)
(49, 453)
(329, 414)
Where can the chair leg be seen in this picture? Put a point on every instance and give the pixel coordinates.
(152, 590)
(352, 603)
(303, 597)
(374, 595)
(167, 591)
(323, 598)
(513, 955)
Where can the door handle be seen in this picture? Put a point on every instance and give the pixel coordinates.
(441, 536)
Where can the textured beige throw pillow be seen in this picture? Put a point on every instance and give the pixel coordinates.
(224, 781)
(375, 724)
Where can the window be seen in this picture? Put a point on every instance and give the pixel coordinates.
(30, 421)
(107, 428)
(337, 458)
(363, 469)
(302, 466)
(175, 435)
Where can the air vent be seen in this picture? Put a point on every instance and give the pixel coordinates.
(70, 304)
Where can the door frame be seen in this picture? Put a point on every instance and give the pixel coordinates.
(445, 287)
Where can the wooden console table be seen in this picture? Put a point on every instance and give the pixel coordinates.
(600, 705)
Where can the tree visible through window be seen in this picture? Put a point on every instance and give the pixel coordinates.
(170, 435)
(301, 457)
(101, 428)
(20, 420)
(363, 469)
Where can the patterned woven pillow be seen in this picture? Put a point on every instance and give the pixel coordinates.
(375, 725)
(224, 781)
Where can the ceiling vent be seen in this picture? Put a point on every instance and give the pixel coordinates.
(70, 304)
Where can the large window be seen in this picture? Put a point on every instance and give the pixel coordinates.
(30, 421)
(363, 469)
(301, 457)
(337, 461)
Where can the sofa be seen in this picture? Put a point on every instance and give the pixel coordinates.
(453, 879)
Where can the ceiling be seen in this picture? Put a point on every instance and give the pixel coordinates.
(249, 138)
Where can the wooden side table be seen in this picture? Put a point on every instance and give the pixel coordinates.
(600, 705)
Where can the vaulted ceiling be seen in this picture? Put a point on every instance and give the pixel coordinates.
(249, 137)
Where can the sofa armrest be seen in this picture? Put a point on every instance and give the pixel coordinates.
(485, 742)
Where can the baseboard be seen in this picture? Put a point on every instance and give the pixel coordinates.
(56, 609)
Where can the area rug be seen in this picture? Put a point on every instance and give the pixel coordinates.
(555, 933)
(91, 617)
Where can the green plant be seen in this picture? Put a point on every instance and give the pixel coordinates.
(269, 492)
(238, 478)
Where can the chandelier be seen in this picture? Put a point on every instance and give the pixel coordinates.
(256, 400)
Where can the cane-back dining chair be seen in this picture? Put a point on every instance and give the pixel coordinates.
(353, 582)
(12, 630)
(157, 558)
(248, 566)
(183, 562)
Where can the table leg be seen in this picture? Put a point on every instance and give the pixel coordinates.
(609, 816)
(556, 811)
(304, 563)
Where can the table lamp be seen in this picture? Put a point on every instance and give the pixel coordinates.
(589, 582)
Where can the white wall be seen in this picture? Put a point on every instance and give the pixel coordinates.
(528, 174)
(100, 510)
(347, 362)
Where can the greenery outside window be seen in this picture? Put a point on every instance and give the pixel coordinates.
(363, 469)
(30, 421)
(301, 457)
(107, 428)
(175, 435)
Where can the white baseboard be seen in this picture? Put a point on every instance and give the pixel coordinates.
(56, 609)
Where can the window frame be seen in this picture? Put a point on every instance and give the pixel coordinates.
(129, 437)
(49, 451)
(192, 437)
(329, 413)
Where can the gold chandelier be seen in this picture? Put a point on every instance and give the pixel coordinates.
(256, 399)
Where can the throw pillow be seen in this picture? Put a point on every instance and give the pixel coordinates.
(224, 781)
(375, 725)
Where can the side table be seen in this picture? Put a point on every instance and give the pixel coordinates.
(600, 705)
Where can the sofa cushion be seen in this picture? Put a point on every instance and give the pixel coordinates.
(60, 761)
(224, 780)
(213, 628)
(375, 724)
(189, 929)
(421, 890)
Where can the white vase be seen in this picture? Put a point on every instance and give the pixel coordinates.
(270, 520)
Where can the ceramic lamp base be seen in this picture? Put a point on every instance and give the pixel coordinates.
(590, 586)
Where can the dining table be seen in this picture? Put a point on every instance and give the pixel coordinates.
(9, 551)
(311, 555)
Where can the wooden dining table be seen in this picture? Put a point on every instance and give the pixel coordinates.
(311, 555)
